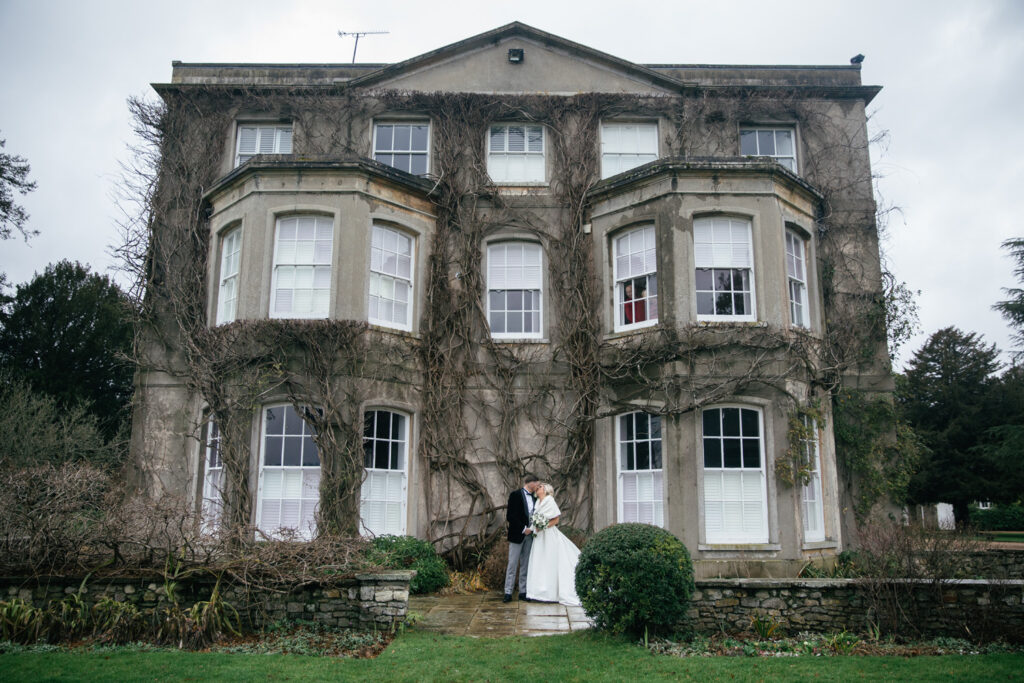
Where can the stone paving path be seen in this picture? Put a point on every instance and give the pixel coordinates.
(484, 614)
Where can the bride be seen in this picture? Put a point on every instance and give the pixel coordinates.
(551, 574)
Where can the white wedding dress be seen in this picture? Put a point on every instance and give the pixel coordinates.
(551, 574)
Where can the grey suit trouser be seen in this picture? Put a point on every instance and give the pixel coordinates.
(518, 554)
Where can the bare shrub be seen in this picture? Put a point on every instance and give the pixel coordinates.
(34, 429)
(72, 519)
(492, 569)
(896, 560)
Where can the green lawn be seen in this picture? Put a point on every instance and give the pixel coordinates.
(415, 656)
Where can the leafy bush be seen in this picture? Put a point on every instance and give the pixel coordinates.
(635, 578)
(999, 518)
(408, 552)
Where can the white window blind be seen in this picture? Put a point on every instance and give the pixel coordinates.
(627, 145)
(515, 153)
(213, 481)
(262, 139)
(724, 259)
(289, 486)
(811, 499)
(390, 278)
(797, 279)
(735, 498)
(515, 289)
(636, 278)
(722, 243)
(641, 474)
(230, 254)
(382, 504)
(302, 267)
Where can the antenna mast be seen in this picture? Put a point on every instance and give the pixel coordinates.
(358, 35)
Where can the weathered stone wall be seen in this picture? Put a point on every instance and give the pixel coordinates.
(962, 608)
(378, 601)
(993, 564)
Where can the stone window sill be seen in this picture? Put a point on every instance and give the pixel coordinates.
(739, 547)
(820, 545)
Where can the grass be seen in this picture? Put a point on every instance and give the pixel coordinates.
(1002, 536)
(419, 656)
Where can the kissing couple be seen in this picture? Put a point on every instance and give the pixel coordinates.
(545, 557)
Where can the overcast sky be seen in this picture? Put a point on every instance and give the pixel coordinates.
(952, 102)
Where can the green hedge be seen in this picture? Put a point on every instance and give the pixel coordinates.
(999, 518)
(634, 578)
(408, 552)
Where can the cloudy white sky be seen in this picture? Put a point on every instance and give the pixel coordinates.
(952, 102)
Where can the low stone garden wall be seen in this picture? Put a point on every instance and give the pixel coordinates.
(963, 608)
(993, 564)
(366, 601)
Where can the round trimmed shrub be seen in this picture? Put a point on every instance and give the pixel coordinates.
(633, 577)
(409, 552)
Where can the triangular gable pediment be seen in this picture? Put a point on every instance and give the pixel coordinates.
(550, 65)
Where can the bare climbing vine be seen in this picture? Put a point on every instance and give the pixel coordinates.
(468, 384)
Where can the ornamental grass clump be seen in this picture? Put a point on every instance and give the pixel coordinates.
(635, 578)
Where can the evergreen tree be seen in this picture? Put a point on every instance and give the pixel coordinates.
(67, 333)
(947, 396)
(1013, 308)
(14, 172)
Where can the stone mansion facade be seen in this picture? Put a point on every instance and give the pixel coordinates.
(413, 282)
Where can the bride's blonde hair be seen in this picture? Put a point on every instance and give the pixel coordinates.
(548, 489)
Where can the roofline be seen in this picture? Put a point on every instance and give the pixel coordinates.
(808, 67)
(842, 92)
(516, 28)
(281, 65)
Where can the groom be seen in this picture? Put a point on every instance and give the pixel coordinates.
(520, 507)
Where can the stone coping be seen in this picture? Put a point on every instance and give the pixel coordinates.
(839, 583)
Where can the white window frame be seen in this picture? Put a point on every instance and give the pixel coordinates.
(615, 157)
(312, 257)
(812, 505)
(762, 148)
(391, 270)
(731, 486)
(506, 166)
(391, 150)
(270, 138)
(724, 243)
(212, 506)
(639, 262)
(501, 273)
(640, 486)
(386, 487)
(301, 482)
(796, 279)
(227, 287)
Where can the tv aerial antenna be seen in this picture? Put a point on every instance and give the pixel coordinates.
(358, 35)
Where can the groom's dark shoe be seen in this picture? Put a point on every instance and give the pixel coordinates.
(522, 596)
(507, 598)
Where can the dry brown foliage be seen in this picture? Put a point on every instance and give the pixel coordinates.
(76, 519)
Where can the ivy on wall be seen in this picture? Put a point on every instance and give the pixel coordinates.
(467, 383)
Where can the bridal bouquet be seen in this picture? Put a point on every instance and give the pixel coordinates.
(538, 521)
